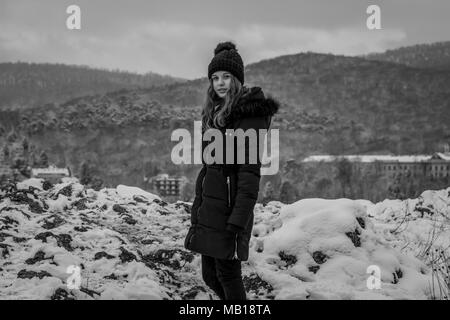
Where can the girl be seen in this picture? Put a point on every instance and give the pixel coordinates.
(226, 193)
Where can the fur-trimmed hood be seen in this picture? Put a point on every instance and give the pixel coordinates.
(253, 103)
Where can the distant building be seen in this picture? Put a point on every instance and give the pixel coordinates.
(435, 165)
(168, 186)
(51, 174)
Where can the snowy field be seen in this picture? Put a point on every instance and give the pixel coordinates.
(128, 244)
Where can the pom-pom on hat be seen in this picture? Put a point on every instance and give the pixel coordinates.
(226, 58)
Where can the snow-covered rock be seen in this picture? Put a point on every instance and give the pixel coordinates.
(326, 247)
(33, 182)
(130, 192)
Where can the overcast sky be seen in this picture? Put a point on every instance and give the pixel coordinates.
(178, 37)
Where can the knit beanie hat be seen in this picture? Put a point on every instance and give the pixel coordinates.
(226, 58)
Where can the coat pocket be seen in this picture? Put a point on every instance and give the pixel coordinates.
(190, 237)
(215, 185)
(213, 242)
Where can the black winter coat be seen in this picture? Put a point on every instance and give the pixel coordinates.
(225, 194)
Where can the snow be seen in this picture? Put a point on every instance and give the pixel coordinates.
(372, 158)
(313, 226)
(129, 192)
(50, 169)
(33, 182)
(128, 244)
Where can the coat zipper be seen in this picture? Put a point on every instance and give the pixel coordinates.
(229, 205)
(235, 248)
(229, 192)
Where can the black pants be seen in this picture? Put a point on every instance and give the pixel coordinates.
(224, 277)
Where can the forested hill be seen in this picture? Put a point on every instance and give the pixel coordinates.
(364, 105)
(434, 55)
(24, 85)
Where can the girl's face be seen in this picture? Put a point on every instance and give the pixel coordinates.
(221, 82)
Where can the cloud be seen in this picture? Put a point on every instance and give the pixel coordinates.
(178, 38)
(183, 49)
(262, 41)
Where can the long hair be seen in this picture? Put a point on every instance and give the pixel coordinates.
(216, 110)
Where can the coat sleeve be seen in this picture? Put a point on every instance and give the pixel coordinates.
(198, 195)
(248, 177)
